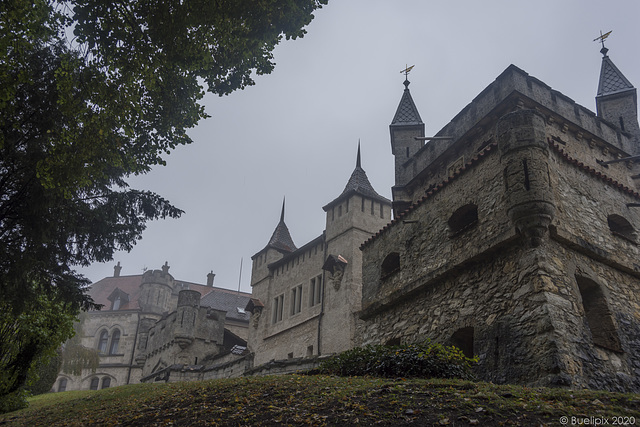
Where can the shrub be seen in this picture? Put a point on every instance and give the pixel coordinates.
(427, 360)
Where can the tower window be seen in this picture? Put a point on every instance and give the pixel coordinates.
(463, 218)
(621, 123)
(621, 227)
(278, 308)
(296, 299)
(598, 315)
(390, 265)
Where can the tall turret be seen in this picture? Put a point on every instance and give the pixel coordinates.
(156, 289)
(358, 206)
(405, 127)
(280, 244)
(617, 101)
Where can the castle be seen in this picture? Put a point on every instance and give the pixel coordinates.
(511, 234)
(513, 237)
(153, 327)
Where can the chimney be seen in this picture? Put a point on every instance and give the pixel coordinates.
(116, 270)
(210, 277)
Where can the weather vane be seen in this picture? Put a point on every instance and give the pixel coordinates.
(406, 72)
(602, 37)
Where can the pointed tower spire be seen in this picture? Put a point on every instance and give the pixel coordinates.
(281, 238)
(358, 184)
(407, 112)
(282, 213)
(405, 127)
(616, 101)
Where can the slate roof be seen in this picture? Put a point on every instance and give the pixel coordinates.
(611, 78)
(358, 184)
(281, 238)
(407, 113)
(214, 297)
(229, 302)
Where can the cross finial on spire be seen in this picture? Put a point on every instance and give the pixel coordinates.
(282, 213)
(601, 39)
(358, 164)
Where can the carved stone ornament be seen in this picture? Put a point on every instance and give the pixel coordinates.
(255, 316)
(335, 265)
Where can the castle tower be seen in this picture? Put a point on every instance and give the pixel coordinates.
(617, 100)
(156, 289)
(356, 214)
(280, 244)
(405, 127)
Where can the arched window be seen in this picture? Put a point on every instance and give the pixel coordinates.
(390, 265)
(106, 382)
(104, 340)
(62, 384)
(621, 227)
(94, 383)
(598, 315)
(463, 339)
(115, 340)
(463, 218)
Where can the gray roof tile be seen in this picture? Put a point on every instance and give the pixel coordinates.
(611, 78)
(407, 112)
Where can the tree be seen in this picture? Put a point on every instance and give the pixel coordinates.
(79, 115)
(28, 341)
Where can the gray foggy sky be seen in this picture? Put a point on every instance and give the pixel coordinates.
(295, 133)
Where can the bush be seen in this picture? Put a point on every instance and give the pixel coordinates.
(426, 360)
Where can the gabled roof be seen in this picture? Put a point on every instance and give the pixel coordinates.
(281, 238)
(214, 297)
(611, 78)
(407, 113)
(358, 184)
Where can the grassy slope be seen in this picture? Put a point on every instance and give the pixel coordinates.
(322, 400)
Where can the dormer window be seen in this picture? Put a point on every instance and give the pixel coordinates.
(118, 299)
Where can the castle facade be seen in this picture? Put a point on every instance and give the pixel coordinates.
(153, 327)
(515, 235)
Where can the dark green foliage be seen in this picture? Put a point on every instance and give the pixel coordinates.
(28, 341)
(81, 114)
(425, 360)
(46, 374)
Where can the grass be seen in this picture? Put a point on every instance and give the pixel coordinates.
(324, 400)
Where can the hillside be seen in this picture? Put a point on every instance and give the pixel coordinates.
(323, 400)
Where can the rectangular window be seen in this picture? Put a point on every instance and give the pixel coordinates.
(278, 308)
(381, 210)
(296, 299)
(346, 208)
(339, 211)
(362, 207)
(315, 291)
(372, 211)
